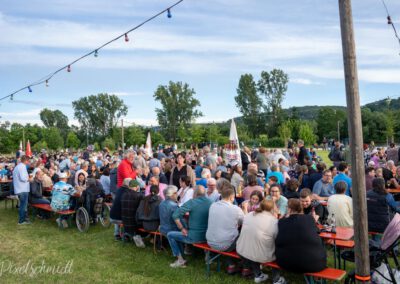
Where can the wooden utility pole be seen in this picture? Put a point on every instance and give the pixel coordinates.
(356, 144)
(122, 134)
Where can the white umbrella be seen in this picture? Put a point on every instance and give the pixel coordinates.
(233, 153)
(147, 148)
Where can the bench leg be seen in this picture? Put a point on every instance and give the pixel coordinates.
(312, 280)
(208, 263)
(309, 279)
(209, 260)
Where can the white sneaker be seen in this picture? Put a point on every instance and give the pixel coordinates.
(178, 264)
(261, 278)
(64, 223)
(138, 241)
(280, 280)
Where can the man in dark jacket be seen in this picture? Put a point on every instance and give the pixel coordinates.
(113, 178)
(336, 155)
(36, 189)
(93, 196)
(302, 152)
(36, 192)
(116, 209)
(313, 207)
(316, 175)
(129, 205)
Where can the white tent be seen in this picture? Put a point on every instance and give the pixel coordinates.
(232, 151)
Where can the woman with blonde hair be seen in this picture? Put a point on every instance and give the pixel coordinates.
(256, 243)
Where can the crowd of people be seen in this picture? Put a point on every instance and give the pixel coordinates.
(260, 207)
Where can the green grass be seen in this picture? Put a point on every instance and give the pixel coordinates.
(96, 257)
(324, 155)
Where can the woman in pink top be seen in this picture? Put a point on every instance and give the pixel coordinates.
(252, 185)
(154, 180)
(253, 203)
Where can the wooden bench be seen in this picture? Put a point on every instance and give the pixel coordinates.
(47, 207)
(11, 198)
(149, 232)
(340, 244)
(327, 274)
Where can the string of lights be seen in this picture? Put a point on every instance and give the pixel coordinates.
(95, 52)
(390, 22)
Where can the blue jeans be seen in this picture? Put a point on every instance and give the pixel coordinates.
(176, 240)
(40, 201)
(23, 206)
(116, 226)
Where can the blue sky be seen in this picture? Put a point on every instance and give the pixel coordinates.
(207, 44)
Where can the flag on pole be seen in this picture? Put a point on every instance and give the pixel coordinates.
(147, 148)
(28, 149)
(232, 150)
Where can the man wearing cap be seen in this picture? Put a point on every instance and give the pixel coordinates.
(61, 197)
(21, 188)
(125, 168)
(129, 204)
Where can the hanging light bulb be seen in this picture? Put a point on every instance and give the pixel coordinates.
(96, 53)
(389, 20)
(169, 15)
(69, 68)
(126, 38)
(47, 83)
(29, 89)
(12, 97)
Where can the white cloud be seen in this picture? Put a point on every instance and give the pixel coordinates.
(303, 81)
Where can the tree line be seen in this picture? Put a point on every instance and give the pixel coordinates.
(263, 121)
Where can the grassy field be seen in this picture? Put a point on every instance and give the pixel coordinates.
(95, 257)
(324, 155)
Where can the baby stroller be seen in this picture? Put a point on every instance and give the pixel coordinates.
(380, 253)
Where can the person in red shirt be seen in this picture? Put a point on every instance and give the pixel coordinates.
(125, 168)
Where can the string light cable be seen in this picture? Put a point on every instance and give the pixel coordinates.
(68, 67)
(390, 22)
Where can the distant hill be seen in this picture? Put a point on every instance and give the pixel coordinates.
(311, 112)
(393, 104)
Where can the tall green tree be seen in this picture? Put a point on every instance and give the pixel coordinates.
(212, 133)
(306, 133)
(134, 136)
(197, 134)
(53, 138)
(327, 122)
(285, 131)
(273, 86)
(54, 118)
(249, 103)
(99, 113)
(109, 143)
(178, 108)
(72, 141)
